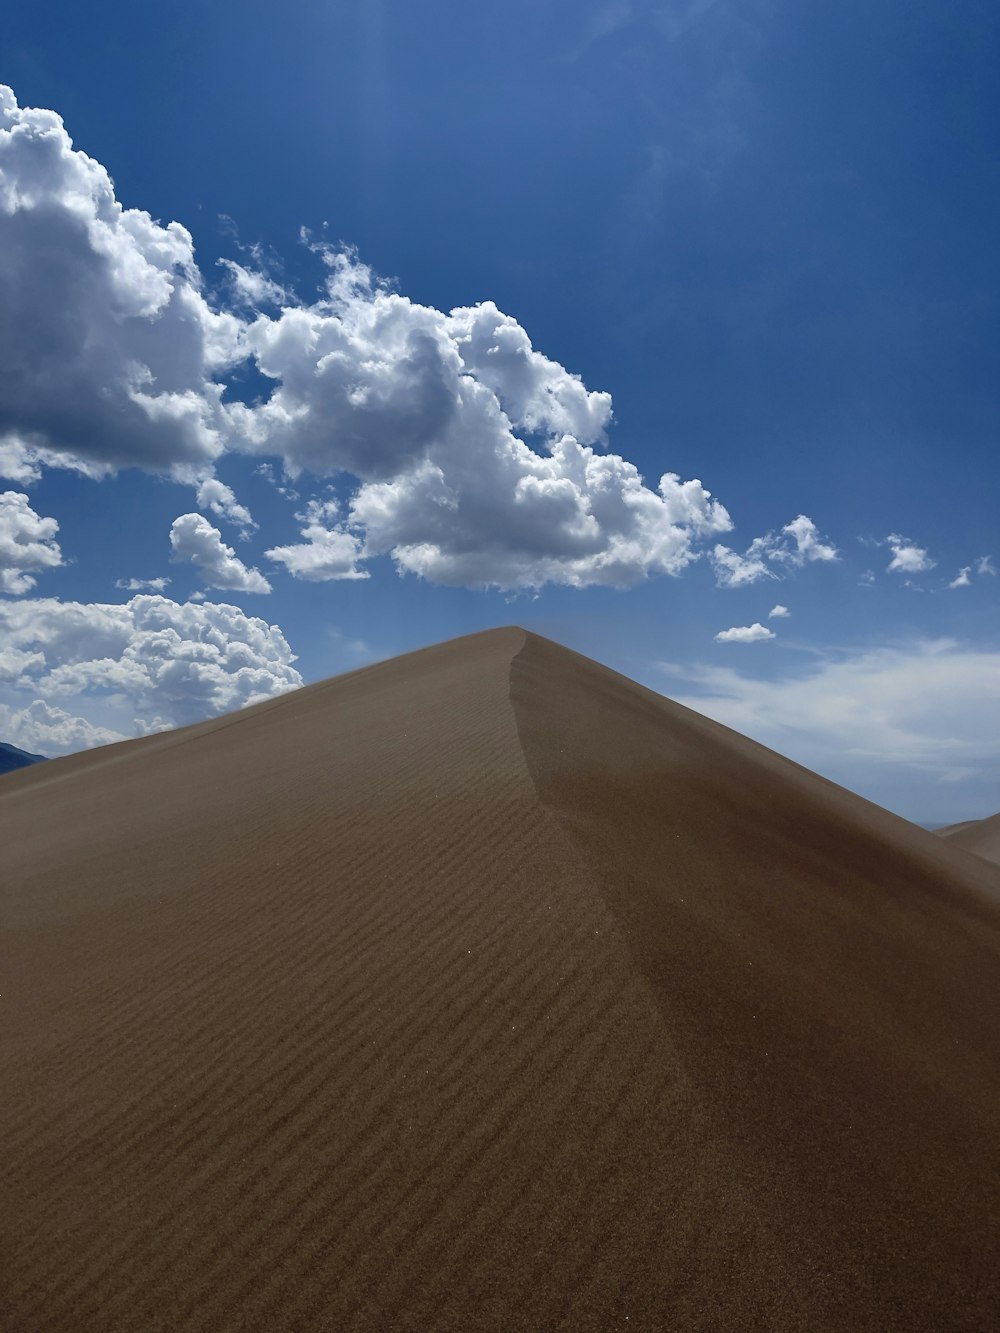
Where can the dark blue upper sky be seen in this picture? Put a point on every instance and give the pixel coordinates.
(767, 229)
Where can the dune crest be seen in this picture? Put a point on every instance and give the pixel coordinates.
(485, 989)
(981, 836)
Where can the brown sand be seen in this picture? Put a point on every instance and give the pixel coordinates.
(485, 989)
(981, 836)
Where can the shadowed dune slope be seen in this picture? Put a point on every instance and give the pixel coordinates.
(485, 989)
(981, 836)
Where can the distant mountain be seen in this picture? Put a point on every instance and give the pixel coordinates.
(12, 758)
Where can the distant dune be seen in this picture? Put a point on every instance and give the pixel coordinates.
(12, 758)
(981, 836)
(484, 989)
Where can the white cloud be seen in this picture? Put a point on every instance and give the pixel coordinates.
(893, 723)
(329, 550)
(215, 496)
(983, 566)
(18, 461)
(424, 407)
(907, 558)
(140, 666)
(43, 729)
(266, 470)
(27, 543)
(479, 460)
(252, 287)
(193, 538)
(733, 570)
(142, 585)
(23, 462)
(138, 388)
(536, 394)
(798, 543)
(778, 612)
(18, 663)
(808, 545)
(754, 633)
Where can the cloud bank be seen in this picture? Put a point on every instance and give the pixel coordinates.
(110, 345)
(149, 664)
(476, 459)
(905, 726)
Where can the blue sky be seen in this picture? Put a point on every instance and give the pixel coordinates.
(450, 289)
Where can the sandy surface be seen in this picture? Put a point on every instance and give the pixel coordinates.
(981, 836)
(485, 989)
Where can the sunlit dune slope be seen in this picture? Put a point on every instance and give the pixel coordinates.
(485, 989)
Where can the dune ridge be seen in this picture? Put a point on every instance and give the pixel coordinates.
(508, 995)
(981, 836)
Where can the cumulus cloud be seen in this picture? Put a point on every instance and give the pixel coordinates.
(193, 538)
(424, 409)
(110, 347)
(778, 612)
(907, 557)
(985, 565)
(916, 728)
(219, 499)
(754, 633)
(41, 728)
(143, 665)
(801, 543)
(328, 550)
(27, 544)
(961, 579)
(797, 543)
(479, 460)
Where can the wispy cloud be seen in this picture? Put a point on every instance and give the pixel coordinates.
(892, 722)
(798, 543)
(139, 667)
(143, 585)
(602, 22)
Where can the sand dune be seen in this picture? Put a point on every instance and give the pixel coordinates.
(485, 989)
(981, 836)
